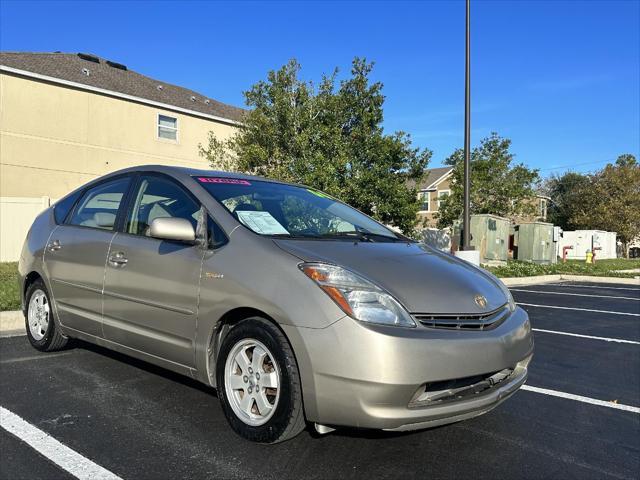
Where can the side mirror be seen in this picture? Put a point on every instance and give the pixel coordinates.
(168, 228)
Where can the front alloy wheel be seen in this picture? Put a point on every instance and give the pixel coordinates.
(258, 382)
(252, 382)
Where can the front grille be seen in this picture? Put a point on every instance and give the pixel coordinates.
(482, 321)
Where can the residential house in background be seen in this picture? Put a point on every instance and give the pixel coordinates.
(437, 185)
(540, 204)
(68, 118)
(434, 187)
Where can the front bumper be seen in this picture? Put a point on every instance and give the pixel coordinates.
(367, 376)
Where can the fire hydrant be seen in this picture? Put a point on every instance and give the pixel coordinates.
(589, 258)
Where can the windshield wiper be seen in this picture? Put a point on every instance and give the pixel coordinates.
(363, 235)
(358, 235)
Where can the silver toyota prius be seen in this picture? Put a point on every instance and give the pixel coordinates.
(294, 306)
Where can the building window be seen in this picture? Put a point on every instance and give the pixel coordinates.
(167, 127)
(543, 208)
(442, 194)
(425, 199)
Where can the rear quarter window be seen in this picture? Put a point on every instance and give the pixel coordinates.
(62, 208)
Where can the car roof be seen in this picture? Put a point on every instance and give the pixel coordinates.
(195, 172)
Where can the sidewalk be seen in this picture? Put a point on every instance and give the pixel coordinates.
(11, 323)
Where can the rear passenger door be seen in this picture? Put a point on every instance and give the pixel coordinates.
(151, 285)
(76, 255)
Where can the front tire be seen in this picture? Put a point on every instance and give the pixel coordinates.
(42, 330)
(259, 383)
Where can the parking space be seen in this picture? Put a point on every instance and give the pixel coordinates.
(624, 327)
(617, 305)
(139, 421)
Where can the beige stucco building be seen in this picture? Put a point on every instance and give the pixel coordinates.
(66, 119)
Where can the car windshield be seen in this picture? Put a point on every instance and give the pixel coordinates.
(289, 211)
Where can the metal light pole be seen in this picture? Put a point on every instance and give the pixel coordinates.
(466, 219)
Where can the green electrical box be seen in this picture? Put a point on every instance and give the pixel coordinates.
(489, 235)
(533, 242)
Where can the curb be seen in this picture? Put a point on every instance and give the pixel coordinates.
(12, 323)
(516, 281)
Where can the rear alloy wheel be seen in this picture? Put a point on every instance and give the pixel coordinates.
(41, 329)
(38, 315)
(259, 384)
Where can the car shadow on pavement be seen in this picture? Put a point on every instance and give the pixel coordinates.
(343, 432)
(142, 365)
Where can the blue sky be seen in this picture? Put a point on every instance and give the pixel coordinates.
(561, 79)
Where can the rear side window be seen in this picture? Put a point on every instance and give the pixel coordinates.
(98, 207)
(62, 208)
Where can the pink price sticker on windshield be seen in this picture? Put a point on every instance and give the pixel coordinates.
(233, 181)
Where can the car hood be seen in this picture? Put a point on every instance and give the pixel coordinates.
(423, 279)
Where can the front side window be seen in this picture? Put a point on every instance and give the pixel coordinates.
(98, 207)
(270, 208)
(167, 127)
(159, 197)
(215, 234)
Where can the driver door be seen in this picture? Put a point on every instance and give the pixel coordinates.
(151, 285)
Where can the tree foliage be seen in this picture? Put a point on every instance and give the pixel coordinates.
(610, 200)
(329, 137)
(566, 193)
(497, 185)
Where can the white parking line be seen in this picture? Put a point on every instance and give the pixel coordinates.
(574, 294)
(579, 309)
(590, 286)
(52, 449)
(591, 337)
(580, 398)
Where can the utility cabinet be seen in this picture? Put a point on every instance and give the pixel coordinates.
(489, 235)
(533, 242)
(582, 240)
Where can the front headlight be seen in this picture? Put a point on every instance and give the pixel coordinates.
(356, 296)
(503, 287)
(507, 293)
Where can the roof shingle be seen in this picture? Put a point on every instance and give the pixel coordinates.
(431, 175)
(72, 68)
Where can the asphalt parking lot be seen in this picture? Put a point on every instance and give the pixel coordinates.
(579, 419)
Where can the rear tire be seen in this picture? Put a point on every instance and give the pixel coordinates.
(259, 383)
(42, 331)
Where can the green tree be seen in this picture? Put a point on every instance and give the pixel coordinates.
(566, 192)
(611, 200)
(497, 186)
(330, 137)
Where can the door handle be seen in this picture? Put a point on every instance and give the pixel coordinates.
(54, 246)
(118, 259)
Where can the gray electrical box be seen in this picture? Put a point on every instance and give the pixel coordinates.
(489, 235)
(534, 242)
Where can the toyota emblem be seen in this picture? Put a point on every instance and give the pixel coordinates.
(480, 300)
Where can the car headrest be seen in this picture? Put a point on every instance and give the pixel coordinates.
(104, 219)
